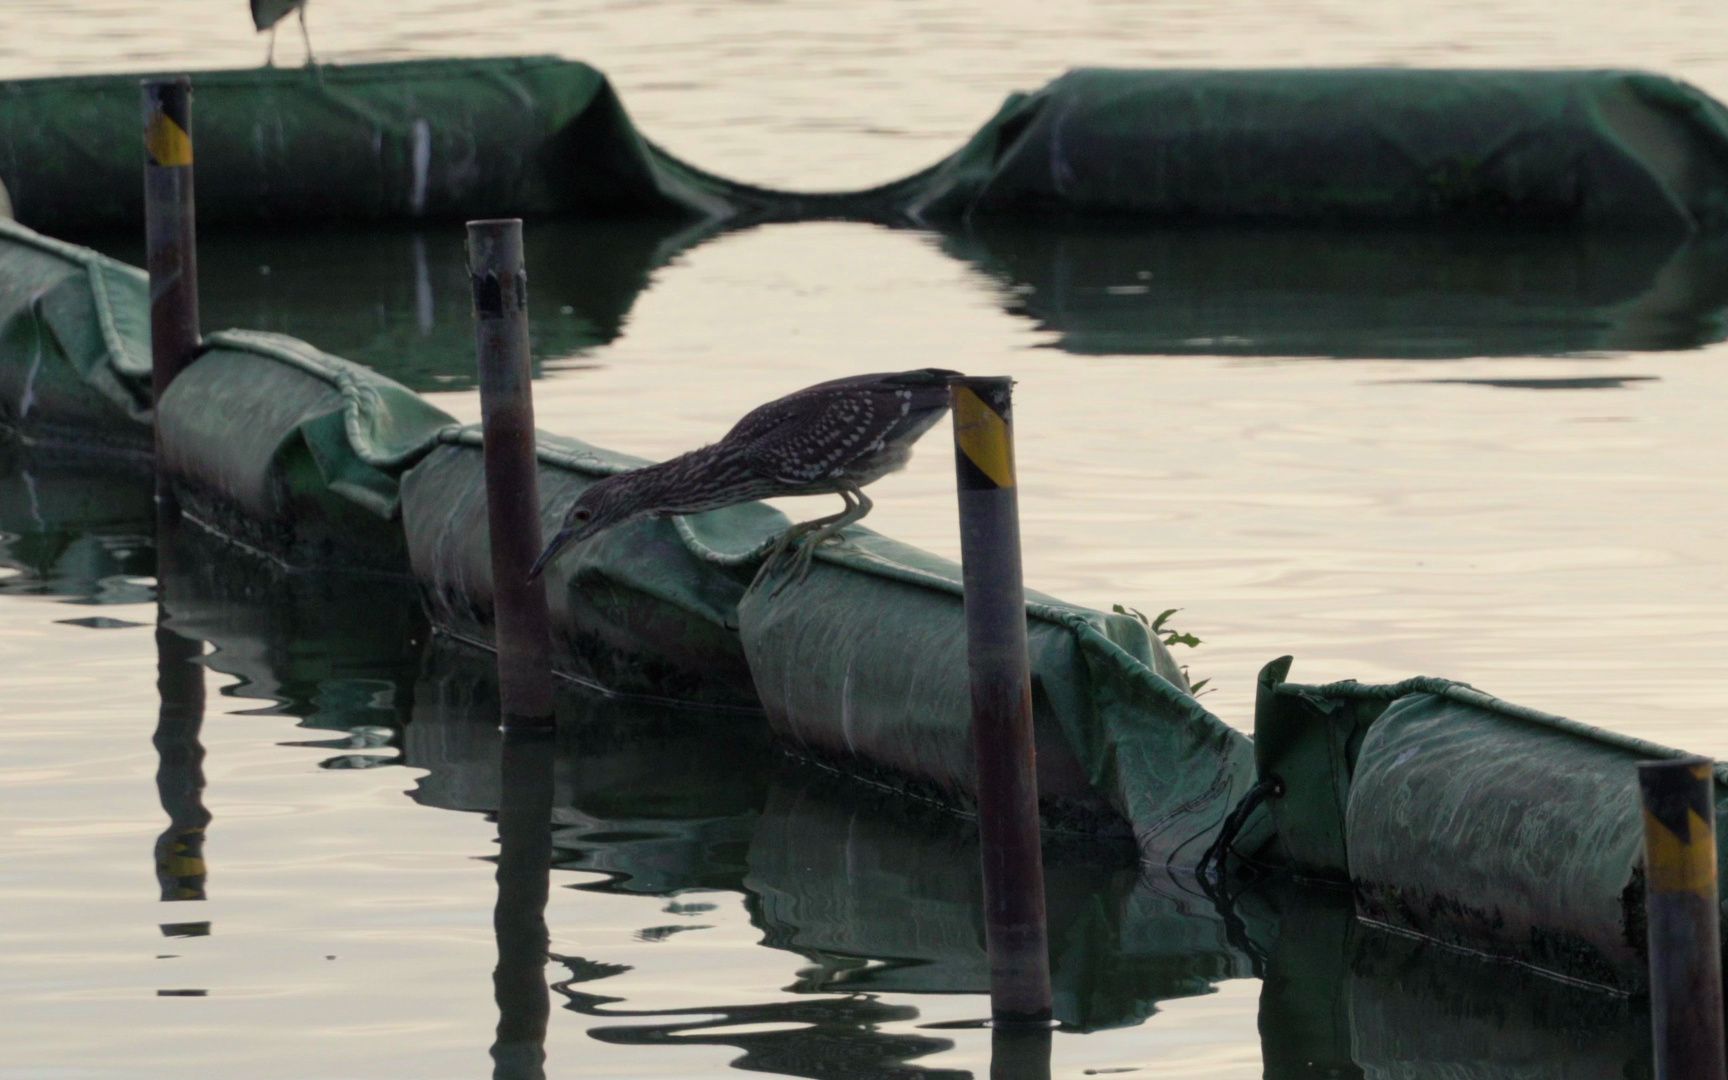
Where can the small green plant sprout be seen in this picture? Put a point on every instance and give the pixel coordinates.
(1161, 629)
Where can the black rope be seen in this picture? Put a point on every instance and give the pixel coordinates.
(1212, 864)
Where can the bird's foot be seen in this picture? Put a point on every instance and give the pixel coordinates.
(772, 556)
(801, 541)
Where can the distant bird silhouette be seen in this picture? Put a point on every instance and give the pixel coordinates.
(827, 439)
(267, 13)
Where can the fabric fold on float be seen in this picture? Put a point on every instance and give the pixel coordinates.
(75, 335)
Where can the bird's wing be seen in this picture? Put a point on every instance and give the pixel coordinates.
(816, 432)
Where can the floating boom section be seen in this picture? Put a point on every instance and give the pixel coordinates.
(1464, 818)
(541, 136)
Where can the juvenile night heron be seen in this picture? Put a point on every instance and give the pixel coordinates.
(267, 13)
(829, 439)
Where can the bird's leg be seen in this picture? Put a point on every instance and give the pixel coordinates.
(307, 38)
(270, 53)
(822, 530)
(792, 535)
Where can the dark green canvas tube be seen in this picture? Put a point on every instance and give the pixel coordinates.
(421, 139)
(1463, 818)
(863, 664)
(1544, 149)
(74, 345)
(293, 452)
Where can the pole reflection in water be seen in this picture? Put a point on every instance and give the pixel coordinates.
(1020, 1053)
(180, 865)
(519, 919)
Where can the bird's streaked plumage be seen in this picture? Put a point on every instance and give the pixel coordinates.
(831, 438)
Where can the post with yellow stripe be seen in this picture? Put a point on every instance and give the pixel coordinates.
(1680, 905)
(170, 239)
(1001, 680)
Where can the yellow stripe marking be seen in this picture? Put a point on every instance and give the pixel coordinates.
(982, 436)
(167, 142)
(1680, 863)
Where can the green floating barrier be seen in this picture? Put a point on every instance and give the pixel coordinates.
(1465, 819)
(1551, 149)
(864, 664)
(75, 341)
(294, 452)
(535, 136)
(648, 608)
(515, 136)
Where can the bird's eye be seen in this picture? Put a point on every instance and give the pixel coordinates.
(584, 514)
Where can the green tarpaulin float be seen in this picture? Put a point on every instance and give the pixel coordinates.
(1464, 818)
(540, 136)
(663, 608)
(370, 142)
(1555, 149)
(294, 452)
(74, 344)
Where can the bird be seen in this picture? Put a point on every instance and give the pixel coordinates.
(267, 13)
(829, 439)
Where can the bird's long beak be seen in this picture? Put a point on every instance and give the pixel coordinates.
(552, 550)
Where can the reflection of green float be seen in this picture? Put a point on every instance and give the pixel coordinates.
(1416, 294)
(75, 527)
(401, 298)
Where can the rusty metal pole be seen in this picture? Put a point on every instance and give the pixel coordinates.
(170, 238)
(1679, 800)
(1015, 929)
(522, 626)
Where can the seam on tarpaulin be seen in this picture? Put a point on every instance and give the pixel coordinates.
(606, 691)
(1493, 957)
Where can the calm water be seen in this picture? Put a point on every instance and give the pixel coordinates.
(256, 841)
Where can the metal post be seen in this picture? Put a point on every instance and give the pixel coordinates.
(522, 631)
(1015, 930)
(170, 238)
(1680, 905)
